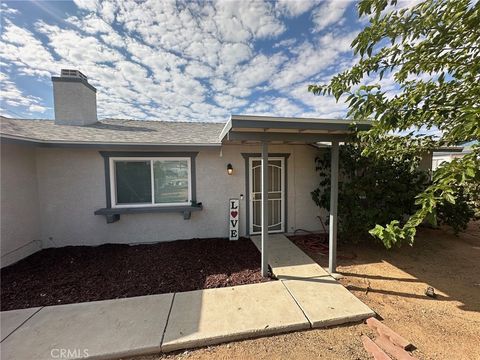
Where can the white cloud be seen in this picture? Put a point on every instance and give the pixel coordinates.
(130, 70)
(285, 107)
(310, 59)
(113, 39)
(260, 69)
(206, 50)
(16, 98)
(182, 60)
(229, 102)
(340, 43)
(206, 110)
(37, 108)
(320, 106)
(329, 13)
(287, 43)
(108, 11)
(28, 54)
(5, 10)
(256, 17)
(407, 3)
(90, 5)
(233, 54)
(231, 29)
(90, 24)
(274, 106)
(295, 8)
(86, 49)
(198, 70)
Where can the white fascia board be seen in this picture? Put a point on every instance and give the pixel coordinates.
(67, 142)
(297, 119)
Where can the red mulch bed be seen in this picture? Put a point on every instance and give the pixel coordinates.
(311, 243)
(316, 244)
(83, 273)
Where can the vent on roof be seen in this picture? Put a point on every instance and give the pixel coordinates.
(73, 74)
(75, 100)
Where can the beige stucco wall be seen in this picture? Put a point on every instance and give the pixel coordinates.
(19, 209)
(72, 186)
(49, 195)
(75, 103)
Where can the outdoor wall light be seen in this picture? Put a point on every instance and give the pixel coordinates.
(229, 169)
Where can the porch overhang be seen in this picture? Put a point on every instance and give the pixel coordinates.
(265, 130)
(259, 129)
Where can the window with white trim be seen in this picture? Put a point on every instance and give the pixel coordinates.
(150, 181)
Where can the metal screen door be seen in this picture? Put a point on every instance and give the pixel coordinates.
(276, 195)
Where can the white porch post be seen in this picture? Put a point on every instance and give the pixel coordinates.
(264, 209)
(332, 240)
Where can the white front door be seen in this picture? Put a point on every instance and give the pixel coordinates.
(276, 195)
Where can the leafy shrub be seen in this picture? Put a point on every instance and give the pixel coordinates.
(370, 190)
(458, 214)
(380, 190)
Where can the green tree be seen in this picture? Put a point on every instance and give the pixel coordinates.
(432, 50)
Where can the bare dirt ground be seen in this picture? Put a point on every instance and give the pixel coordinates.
(447, 327)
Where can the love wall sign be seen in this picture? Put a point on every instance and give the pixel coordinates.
(234, 216)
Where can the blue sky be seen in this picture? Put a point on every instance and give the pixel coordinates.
(169, 60)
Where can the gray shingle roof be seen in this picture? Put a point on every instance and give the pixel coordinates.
(114, 131)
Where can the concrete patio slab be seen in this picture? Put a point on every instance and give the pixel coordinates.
(326, 302)
(207, 317)
(287, 260)
(11, 320)
(101, 329)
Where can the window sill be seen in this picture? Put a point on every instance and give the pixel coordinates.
(113, 214)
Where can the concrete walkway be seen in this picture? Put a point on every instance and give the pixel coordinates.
(287, 260)
(323, 300)
(212, 316)
(306, 296)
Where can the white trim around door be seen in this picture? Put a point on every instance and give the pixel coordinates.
(276, 194)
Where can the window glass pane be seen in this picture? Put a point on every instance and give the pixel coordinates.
(133, 181)
(170, 181)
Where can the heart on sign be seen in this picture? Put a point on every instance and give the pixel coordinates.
(234, 213)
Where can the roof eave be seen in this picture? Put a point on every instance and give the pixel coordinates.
(268, 128)
(62, 143)
(297, 119)
(448, 149)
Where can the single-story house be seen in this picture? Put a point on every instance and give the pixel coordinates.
(447, 154)
(76, 180)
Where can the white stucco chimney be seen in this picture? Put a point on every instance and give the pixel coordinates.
(75, 100)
